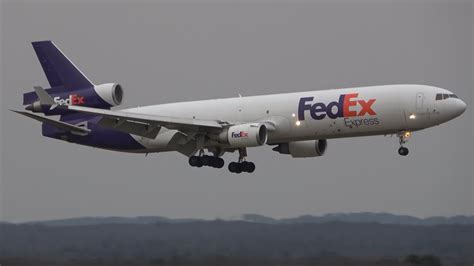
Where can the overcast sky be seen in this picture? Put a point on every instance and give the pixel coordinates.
(167, 52)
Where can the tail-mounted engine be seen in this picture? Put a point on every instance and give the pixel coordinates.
(112, 93)
(101, 96)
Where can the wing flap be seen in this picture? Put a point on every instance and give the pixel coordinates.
(131, 127)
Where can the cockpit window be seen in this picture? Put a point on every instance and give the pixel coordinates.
(442, 96)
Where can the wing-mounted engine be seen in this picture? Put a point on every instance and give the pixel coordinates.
(302, 149)
(244, 135)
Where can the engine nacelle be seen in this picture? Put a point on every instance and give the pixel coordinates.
(112, 93)
(244, 135)
(101, 96)
(302, 149)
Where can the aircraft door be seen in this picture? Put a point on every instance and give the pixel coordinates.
(419, 100)
(240, 117)
(419, 117)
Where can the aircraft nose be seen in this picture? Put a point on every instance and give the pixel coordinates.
(458, 107)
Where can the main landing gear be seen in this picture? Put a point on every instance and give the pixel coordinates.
(206, 160)
(403, 137)
(242, 165)
(237, 168)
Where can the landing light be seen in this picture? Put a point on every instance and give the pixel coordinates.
(293, 115)
(412, 116)
(298, 123)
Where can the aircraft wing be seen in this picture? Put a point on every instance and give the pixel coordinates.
(144, 125)
(147, 125)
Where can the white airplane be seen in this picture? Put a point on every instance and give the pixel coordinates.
(297, 124)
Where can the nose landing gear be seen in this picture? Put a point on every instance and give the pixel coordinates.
(403, 151)
(403, 137)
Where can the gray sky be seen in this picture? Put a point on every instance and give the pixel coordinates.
(166, 52)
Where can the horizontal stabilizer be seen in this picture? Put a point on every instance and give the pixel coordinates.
(58, 124)
(45, 98)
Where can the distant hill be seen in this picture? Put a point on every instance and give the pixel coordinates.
(236, 239)
(111, 220)
(363, 217)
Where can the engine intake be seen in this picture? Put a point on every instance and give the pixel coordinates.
(244, 135)
(112, 93)
(302, 149)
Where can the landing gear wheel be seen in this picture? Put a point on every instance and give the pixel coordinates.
(403, 151)
(248, 167)
(195, 161)
(235, 167)
(242, 165)
(218, 162)
(207, 160)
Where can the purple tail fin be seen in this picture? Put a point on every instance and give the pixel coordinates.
(59, 70)
(68, 84)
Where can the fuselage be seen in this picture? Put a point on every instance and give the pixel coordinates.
(323, 114)
(297, 123)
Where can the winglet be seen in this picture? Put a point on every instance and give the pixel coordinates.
(44, 97)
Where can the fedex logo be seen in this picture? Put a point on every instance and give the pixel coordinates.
(240, 134)
(72, 100)
(345, 107)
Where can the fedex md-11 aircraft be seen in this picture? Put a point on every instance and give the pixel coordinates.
(297, 124)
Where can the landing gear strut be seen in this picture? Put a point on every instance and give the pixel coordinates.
(206, 160)
(403, 137)
(242, 165)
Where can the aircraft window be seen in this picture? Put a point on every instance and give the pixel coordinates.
(442, 96)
